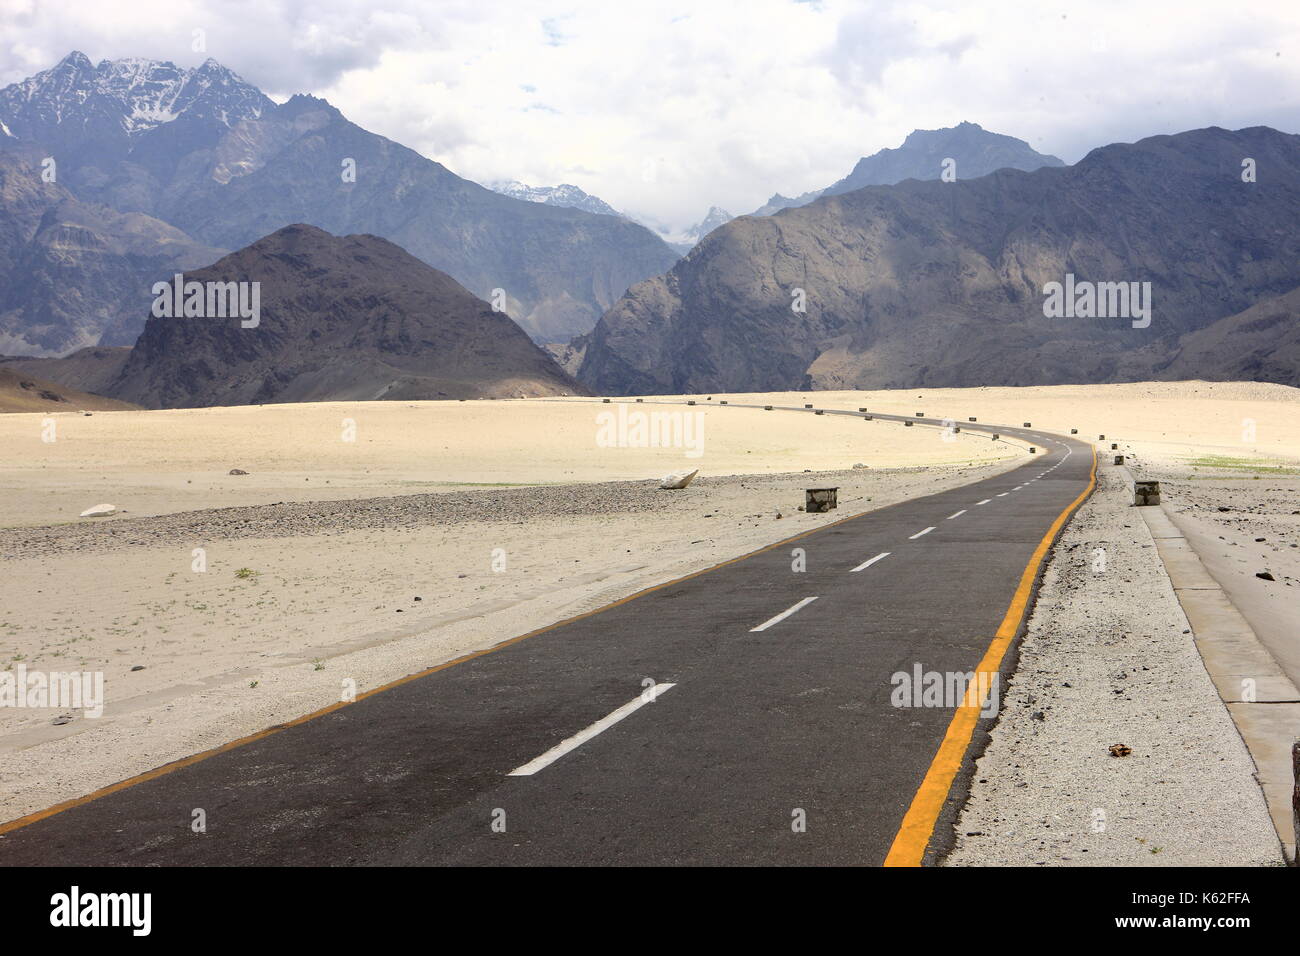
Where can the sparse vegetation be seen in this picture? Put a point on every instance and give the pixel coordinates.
(1267, 466)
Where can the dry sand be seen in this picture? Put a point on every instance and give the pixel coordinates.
(156, 462)
(224, 655)
(1168, 421)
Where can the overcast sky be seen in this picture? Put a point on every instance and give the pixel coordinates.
(663, 109)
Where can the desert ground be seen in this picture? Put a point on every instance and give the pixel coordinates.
(157, 462)
(368, 541)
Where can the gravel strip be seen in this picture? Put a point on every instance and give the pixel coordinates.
(1108, 660)
(289, 519)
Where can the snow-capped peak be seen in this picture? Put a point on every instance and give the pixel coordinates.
(564, 194)
(136, 93)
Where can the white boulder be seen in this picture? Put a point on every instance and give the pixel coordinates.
(678, 479)
(99, 511)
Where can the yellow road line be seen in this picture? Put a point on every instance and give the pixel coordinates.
(918, 823)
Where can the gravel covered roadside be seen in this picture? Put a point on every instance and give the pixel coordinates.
(445, 509)
(1108, 660)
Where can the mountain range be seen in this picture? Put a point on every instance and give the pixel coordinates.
(942, 283)
(210, 155)
(928, 264)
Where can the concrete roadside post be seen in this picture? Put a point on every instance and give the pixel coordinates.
(1146, 493)
(821, 499)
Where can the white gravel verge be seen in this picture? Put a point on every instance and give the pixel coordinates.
(1108, 659)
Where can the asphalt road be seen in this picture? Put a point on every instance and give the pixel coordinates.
(777, 745)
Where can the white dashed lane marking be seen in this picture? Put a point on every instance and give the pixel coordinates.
(870, 561)
(582, 736)
(913, 537)
(783, 615)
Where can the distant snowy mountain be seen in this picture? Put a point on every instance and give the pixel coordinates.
(124, 97)
(686, 241)
(569, 196)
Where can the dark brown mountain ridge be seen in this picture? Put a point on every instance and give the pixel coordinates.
(942, 284)
(341, 318)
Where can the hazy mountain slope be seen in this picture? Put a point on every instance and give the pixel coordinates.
(24, 393)
(212, 155)
(74, 274)
(90, 369)
(1260, 344)
(351, 318)
(557, 267)
(942, 283)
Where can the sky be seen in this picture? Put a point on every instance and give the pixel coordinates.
(664, 109)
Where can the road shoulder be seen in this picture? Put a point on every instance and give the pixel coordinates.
(1109, 661)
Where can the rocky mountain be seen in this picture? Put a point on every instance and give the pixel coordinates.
(944, 284)
(974, 150)
(564, 194)
(211, 155)
(350, 318)
(74, 274)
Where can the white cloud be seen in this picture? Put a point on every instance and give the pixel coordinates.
(666, 108)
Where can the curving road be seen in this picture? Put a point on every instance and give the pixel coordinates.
(741, 715)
